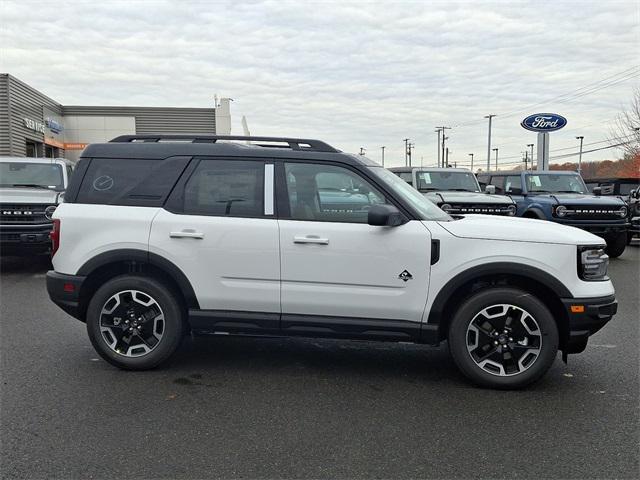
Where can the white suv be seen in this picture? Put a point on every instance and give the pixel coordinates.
(163, 235)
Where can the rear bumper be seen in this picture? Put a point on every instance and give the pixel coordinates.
(582, 324)
(19, 239)
(64, 291)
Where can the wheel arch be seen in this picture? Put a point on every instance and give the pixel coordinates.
(534, 212)
(543, 285)
(113, 263)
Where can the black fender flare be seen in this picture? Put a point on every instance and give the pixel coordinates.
(133, 256)
(491, 269)
(537, 211)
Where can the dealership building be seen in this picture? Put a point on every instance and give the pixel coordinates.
(34, 125)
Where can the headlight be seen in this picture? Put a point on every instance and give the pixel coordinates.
(445, 207)
(511, 210)
(592, 263)
(561, 210)
(623, 211)
(49, 211)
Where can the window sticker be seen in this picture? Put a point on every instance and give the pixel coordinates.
(535, 181)
(426, 177)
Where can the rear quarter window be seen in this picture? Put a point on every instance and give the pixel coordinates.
(130, 182)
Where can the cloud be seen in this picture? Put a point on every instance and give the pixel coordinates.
(351, 73)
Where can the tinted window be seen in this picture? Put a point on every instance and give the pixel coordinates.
(512, 181)
(144, 183)
(498, 182)
(328, 193)
(226, 188)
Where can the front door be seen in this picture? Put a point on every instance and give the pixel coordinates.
(224, 238)
(341, 276)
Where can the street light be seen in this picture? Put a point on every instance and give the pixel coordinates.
(489, 142)
(581, 138)
(496, 150)
(406, 150)
(383, 147)
(471, 155)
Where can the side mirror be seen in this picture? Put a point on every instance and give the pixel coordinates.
(597, 191)
(635, 194)
(384, 215)
(490, 189)
(514, 191)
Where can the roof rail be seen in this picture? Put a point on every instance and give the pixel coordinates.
(294, 143)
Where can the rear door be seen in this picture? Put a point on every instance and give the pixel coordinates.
(219, 228)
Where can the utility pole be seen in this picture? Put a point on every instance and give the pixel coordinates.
(530, 145)
(406, 150)
(362, 149)
(581, 138)
(441, 129)
(490, 116)
(496, 150)
(447, 158)
(526, 159)
(411, 147)
(438, 130)
(383, 147)
(471, 155)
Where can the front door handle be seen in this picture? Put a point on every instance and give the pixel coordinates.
(187, 233)
(310, 239)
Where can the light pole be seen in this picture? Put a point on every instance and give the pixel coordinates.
(496, 150)
(383, 147)
(581, 138)
(411, 146)
(447, 157)
(526, 159)
(471, 155)
(438, 130)
(441, 144)
(490, 116)
(530, 145)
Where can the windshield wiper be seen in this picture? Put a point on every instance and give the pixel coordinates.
(429, 189)
(30, 185)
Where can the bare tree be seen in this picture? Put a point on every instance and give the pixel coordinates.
(626, 129)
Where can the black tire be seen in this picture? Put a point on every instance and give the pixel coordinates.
(616, 244)
(171, 322)
(459, 337)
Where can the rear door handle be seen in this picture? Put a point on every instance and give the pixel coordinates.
(187, 233)
(310, 239)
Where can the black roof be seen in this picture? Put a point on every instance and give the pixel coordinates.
(158, 146)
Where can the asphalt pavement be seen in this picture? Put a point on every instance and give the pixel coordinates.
(271, 408)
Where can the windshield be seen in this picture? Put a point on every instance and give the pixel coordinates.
(551, 183)
(426, 208)
(31, 175)
(457, 181)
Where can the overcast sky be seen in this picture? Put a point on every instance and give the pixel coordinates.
(355, 74)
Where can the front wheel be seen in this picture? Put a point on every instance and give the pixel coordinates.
(135, 322)
(503, 338)
(616, 244)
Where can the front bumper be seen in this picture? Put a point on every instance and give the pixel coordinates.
(586, 317)
(64, 291)
(600, 228)
(634, 228)
(17, 239)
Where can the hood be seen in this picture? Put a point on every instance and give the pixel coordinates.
(28, 195)
(582, 199)
(448, 196)
(488, 227)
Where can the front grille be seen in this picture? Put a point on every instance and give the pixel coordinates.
(481, 208)
(588, 212)
(24, 214)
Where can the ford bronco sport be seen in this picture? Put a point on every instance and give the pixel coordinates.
(30, 190)
(162, 235)
(562, 197)
(455, 190)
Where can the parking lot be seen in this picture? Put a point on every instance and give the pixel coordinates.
(245, 407)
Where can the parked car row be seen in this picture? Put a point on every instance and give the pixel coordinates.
(163, 235)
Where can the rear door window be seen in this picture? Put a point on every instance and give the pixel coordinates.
(512, 181)
(233, 188)
(498, 182)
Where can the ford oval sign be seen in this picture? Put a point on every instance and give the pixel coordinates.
(544, 122)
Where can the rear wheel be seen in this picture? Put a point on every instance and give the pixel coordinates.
(135, 322)
(616, 244)
(503, 338)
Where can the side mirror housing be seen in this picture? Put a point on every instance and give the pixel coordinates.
(597, 191)
(385, 216)
(490, 189)
(515, 191)
(635, 193)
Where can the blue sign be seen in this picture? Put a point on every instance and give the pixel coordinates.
(544, 122)
(53, 125)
